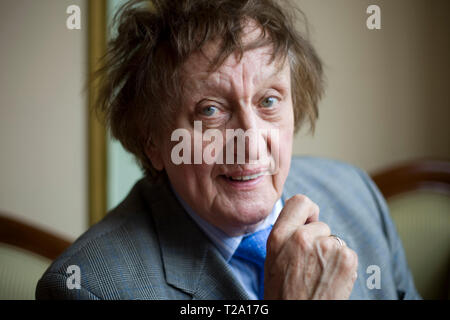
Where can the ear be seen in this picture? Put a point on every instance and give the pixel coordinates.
(154, 155)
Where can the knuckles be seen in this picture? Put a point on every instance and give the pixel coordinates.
(327, 244)
(301, 199)
(326, 228)
(303, 239)
(298, 198)
(349, 259)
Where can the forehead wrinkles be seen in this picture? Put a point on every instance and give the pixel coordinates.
(233, 75)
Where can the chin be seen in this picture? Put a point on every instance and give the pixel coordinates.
(247, 216)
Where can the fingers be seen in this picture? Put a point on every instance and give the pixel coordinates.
(300, 243)
(328, 246)
(344, 277)
(306, 236)
(312, 267)
(303, 260)
(339, 265)
(348, 262)
(298, 211)
(316, 229)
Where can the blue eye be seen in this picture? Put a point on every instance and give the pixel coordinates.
(209, 111)
(269, 102)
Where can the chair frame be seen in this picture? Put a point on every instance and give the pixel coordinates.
(25, 236)
(415, 175)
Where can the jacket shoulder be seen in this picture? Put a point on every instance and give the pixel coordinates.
(319, 173)
(112, 256)
(334, 184)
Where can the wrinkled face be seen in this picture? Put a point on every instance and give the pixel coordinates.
(252, 94)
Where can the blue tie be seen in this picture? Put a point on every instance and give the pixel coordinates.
(253, 249)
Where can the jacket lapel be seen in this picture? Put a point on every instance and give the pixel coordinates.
(191, 262)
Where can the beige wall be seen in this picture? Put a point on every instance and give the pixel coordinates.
(388, 97)
(42, 115)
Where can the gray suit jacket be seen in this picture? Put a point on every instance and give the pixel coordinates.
(149, 248)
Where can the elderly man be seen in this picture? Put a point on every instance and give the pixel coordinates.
(213, 219)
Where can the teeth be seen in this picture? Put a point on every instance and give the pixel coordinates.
(245, 178)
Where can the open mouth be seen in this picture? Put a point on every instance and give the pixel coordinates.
(244, 178)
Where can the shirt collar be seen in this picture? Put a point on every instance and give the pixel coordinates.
(227, 245)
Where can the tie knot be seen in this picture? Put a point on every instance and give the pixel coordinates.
(253, 247)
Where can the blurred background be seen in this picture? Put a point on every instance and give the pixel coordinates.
(386, 110)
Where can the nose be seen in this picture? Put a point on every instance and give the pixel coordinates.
(245, 140)
(246, 118)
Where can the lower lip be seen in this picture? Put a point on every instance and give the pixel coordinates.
(244, 184)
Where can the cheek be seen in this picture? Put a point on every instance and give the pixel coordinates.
(285, 146)
(190, 175)
(286, 151)
(287, 128)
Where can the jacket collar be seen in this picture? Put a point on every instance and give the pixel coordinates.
(191, 262)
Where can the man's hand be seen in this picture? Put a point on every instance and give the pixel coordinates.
(303, 261)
